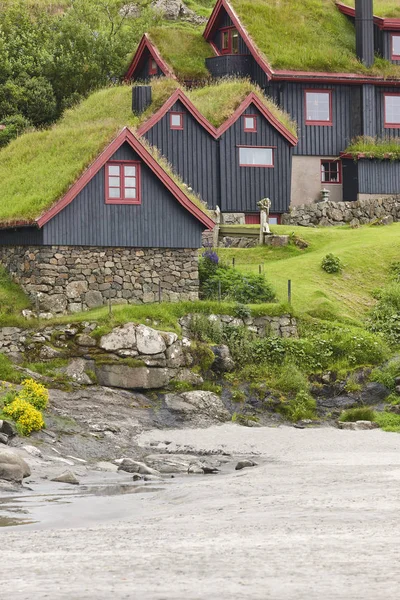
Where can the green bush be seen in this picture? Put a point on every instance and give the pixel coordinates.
(357, 414)
(385, 317)
(290, 380)
(218, 279)
(387, 374)
(301, 407)
(388, 421)
(332, 264)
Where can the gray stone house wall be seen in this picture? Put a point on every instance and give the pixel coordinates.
(61, 279)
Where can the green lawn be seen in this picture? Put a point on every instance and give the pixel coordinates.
(366, 253)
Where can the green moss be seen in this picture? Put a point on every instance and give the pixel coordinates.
(106, 359)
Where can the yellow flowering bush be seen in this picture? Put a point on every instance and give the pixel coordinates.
(35, 393)
(26, 416)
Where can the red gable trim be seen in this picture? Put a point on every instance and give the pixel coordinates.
(212, 24)
(382, 23)
(252, 98)
(126, 136)
(146, 43)
(181, 96)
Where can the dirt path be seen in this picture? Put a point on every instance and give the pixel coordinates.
(318, 519)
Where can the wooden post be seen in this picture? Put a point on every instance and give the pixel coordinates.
(289, 288)
(259, 269)
(233, 262)
(159, 292)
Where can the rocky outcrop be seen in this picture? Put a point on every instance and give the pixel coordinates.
(384, 211)
(132, 378)
(201, 404)
(176, 9)
(13, 468)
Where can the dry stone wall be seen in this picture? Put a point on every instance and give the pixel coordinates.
(356, 213)
(61, 279)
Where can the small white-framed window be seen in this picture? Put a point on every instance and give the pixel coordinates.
(176, 120)
(250, 123)
(318, 107)
(392, 111)
(250, 156)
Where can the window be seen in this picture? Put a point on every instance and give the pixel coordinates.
(250, 123)
(176, 120)
(123, 183)
(229, 41)
(331, 171)
(392, 111)
(256, 157)
(152, 67)
(318, 107)
(395, 47)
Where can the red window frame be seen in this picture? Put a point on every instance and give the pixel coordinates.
(392, 53)
(318, 123)
(153, 69)
(229, 48)
(273, 148)
(254, 218)
(386, 124)
(250, 129)
(338, 171)
(176, 114)
(122, 198)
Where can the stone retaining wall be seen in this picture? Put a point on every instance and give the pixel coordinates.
(61, 279)
(284, 326)
(356, 213)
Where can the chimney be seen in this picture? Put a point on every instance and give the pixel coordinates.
(365, 32)
(141, 98)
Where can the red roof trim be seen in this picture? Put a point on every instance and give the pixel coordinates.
(321, 77)
(126, 136)
(180, 96)
(211, 26)
(381, 22)
(388, 156)
(146, 43)
(252, 98)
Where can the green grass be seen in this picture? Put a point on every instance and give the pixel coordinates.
(12, 298)
(352, 415)
(388, 421)
(365, 252)
(184, 48)
(375, 148)
(309, 35)
(382, 8)
(8, 372)
(217, 102)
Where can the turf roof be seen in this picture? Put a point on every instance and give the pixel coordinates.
(37, 168)
(389, 9)
(306, 35)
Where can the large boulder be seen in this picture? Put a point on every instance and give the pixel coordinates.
(76, 370)
(121, 338)
(190, 404)
(132, 378)
(169, 463)
(8, 428)
(374, 393)
(149, 341)
(133, 466)
(12, 467)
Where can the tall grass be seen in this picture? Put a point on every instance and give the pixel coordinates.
(382, 8)
(372, 147)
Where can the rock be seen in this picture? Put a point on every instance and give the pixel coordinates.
(387, 220)
(337, 402)
(12, 467)
(149, 341)
(207, 470)
(47, 352)
(397, 381)
(151, 478)
(189, 377)
(173, 463)
(374, 393)
(245, 464)
(358, 425)
(397, 389)
(175, 356)
(106, 466)
(76, 371)
(189, 404)
(195, 469)
(223, 361)
(169, 338)
(137, 477)
(33, 451)
(86, 340)
(121, 338)
(55, 303)
(133, 466)
(66, 477)
(28, 314)
(154, 360)
(126, 377)
(75, 289)
(93, 299)
(8, 428)
(3, 438)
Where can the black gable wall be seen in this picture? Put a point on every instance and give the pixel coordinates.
(226, 21)
(158, 222)
(192, 152)
(142, 70)
(243, 187)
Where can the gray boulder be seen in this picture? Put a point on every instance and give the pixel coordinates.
(245, 464)
(76, 370)
(149, 341)
(132, 378)
(223, 361)
(170, 463)
(374, 393)
(133, 466)
(194, 403)
(120, 338)
(7, 428)
(66, 477)
(12, 467)
(3, 438)
(358, 425)
(33, 451)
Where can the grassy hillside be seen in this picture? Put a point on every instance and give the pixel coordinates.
(366, 253)
(309, 35)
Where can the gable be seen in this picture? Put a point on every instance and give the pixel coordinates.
(147, 62)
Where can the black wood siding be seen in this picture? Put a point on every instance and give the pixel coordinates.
(243, 187)
(142, 70)
(159, 222)
(316, 140)
(21, 236)
(192, 152)
(369, 110)
(378, 176)
(226, 21)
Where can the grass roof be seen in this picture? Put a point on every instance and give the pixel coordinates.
(184, 48)
(372, 147)
(382, 8)
(308, 35)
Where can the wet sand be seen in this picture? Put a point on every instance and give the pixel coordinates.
(317, 519)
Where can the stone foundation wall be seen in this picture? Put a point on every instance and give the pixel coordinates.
(61, 279)
(356, 213)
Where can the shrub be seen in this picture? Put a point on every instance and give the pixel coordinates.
(35, 393)
(26, 416)
(357, 414)
(301, 407)
(388, 421)
(385, 317)
(205, 330)
(387, 374)
(332, 264)
(290, 380)
(241, 311)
